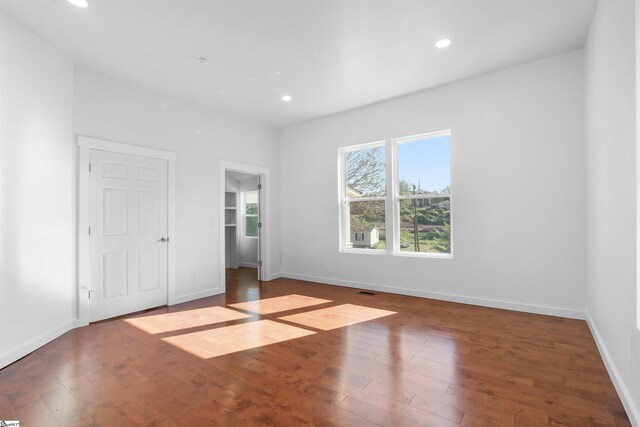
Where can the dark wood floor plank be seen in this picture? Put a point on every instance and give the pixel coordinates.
(531, 418)
(430, 363)
(37, 414)
(374, 413)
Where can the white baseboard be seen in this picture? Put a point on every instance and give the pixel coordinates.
(77, 323)
(195, 295)
(618, 382)
(248, 264)
(34, 344)
(274, 276)
(484, 302)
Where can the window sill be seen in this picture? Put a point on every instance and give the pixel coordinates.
(399, 254)
(423, 255)
(364, 251)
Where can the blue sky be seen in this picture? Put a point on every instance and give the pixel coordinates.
(427, 161)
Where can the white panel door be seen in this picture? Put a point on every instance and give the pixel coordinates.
(128, 240)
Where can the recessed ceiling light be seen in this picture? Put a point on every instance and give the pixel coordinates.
(441, 44)
(277, 73)
(202, 60)
(287, 98)
(79, 3)
(222, 92)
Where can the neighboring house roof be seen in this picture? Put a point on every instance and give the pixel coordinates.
(364, 229)
(435, 194)
(352, 192)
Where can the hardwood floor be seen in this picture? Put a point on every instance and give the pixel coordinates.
(309, 354)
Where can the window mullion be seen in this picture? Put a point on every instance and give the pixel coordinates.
(391, 235)
(364, 199)
(423, 196)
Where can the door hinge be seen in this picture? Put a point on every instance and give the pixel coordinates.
(259, 225)
(89, 167)
(259, 186)
(89, 231)
(259, 263)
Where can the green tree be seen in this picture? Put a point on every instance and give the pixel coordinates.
(405, 187)
(442, 239)
(436, 217)
(371, 212)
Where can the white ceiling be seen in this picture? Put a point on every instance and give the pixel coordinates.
(330, 56)
(239, 176)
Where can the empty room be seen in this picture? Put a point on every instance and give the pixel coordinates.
(319, 213)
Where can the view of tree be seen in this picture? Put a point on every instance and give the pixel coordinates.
(251, 225)
(424, 225)
(252, 209)
(442, 239)
(251, 214)
(405, 187)
(365, 171)
(368, 213)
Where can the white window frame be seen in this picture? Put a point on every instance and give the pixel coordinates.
(243, 213)
(344, 201)
(392, 198)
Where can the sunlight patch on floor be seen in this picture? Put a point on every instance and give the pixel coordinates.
(337, 317)
(168, 322)
(231, 339)
(278, 304)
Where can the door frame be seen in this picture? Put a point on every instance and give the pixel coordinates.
(85, 145)
(265, 218)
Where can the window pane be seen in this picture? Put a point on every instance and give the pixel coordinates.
(251, 226)
(366, 225)
(424, 166)
(251, 203)
(365, 172)
(251, 209)
(425, 225)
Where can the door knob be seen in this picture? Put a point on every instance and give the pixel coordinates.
(162, 240)
(89, 291)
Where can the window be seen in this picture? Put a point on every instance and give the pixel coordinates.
(250, 214)
(396, 196)
(364, 195)
(423, 193)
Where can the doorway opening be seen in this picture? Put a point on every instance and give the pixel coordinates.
(241, 225)
(244, 227)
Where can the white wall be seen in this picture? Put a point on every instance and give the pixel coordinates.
(111, 109)
(610, 118)
(518, 185)
(36, 192)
